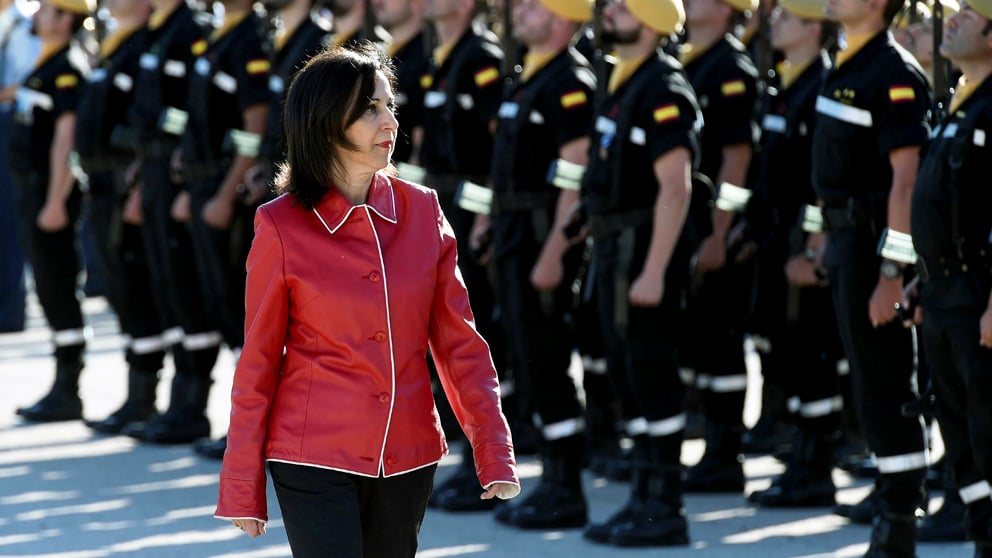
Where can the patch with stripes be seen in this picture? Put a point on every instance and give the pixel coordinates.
(65, 81)
(666, 113)
(199, 47)
(257, 66)
(574, 99)
(487, 76)
(901, 94)
(733, 88)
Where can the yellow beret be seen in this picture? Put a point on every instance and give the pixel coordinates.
(664, 16)
(743, 5)
(82, 7)
(983, 7)
(572, 10)
(806, 9)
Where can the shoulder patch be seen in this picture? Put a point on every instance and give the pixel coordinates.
(733, 88)
(486, 76)
(665, 113)
(901, 94)
(199, 47)
(574, 99)
(426, 81)
(65, 81)
(258, 66)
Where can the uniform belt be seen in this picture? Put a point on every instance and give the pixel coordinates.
(523, 201)
(195, 172)
(943, 267)
(156, 147)
(611, 223)
(851, 212)
(101, 165)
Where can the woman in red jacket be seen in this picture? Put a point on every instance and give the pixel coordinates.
(351, 277)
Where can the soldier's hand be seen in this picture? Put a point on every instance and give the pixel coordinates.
(255, 187)
(132, 208)
(985, 328)
(218, 213)
(53, 217)
(547, 273)
(252, 527)
(132, 173)
(800, 271)
(646, 290)
(882, 306)
(712, 254)
(479, 240)
(180, 208)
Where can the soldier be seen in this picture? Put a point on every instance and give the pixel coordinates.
(724, 79)
(797, 319)
(48, 201)
(545, 116)
(409, 50)
(352, 22)
(157, 116)
(950, 232)
(105, 145)
(460, 104)
(871, 122)
(637, 192)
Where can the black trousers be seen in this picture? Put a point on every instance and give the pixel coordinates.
(641, 342)
(55, 261)
(882, 373)
(121, 257)
(962, 381)
(332, 514)
(175, 283)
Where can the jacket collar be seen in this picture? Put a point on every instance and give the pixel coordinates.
(334, 209)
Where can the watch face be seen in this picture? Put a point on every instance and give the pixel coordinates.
(890, 270)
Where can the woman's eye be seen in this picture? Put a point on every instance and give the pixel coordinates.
(371, 109)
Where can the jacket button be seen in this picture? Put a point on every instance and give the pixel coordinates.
(383, 397)
(392, 460)
(374, 276)
(379, 337)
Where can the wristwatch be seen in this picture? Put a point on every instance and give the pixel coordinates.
(890, 270)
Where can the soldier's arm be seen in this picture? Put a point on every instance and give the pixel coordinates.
(673, 171)
(736, 159)
(905, 162)
(60, 180)
(254, 122)
(555, 246)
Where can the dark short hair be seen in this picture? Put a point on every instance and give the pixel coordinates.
(325, 98)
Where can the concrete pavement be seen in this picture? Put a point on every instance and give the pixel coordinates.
(68, 493)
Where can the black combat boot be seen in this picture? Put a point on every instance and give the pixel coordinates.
(558, 501)
(62, 402)
(771, 434)
(186, 419)
(461, 491)
(722, 467)
(983, 549)
(863, 512)
(807, 480)
(211, 449)
(893, 536)
(946, 524)
(660, 519)
(139, 406)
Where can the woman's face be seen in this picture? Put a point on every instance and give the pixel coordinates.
(373, 134)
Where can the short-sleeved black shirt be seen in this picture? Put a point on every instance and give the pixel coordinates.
(51, 90)
(963, 136)
(537, 117)
(230, 76)
(661, 108)
(725, 81)
(874, 103)
(459, 105)
(412, 73)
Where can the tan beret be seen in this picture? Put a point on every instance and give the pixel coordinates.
(572, 10)
(664, 16)
(82, 7)
(806, 9)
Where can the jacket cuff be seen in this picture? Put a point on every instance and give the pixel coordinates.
(496, 464)
(241, 499)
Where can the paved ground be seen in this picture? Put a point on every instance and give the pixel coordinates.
(67, 493)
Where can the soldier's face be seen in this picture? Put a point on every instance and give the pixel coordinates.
(435, 10)
(920, 41)
(341, 7)
(848, 11)
(374, 133)
(123, 8)
(620, 27)
(531, 22)
(390, 13)
(787, 30)
(964, 38)
(700, 11)
(45, 21)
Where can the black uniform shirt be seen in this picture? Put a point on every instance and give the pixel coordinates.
(412, 72)
(460, 103)
(102, 134)
(50, 91)
(165, 66)
(661, 108)
(874, 103)
(537, 117)
(725, 81)
(962, 136)
(230, 76)
(306, 40)
(784, 181)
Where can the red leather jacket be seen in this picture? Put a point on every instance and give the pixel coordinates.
(341, 304)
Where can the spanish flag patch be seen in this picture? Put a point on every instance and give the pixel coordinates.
(901, 94)
(486, 76)
(664, 113)
(65, 81)
(426, 81)
(258, 66)
(733, 88)
(199, 47)
(574, 99)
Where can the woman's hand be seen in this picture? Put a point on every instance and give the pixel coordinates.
(502, 490)
(252, 527)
